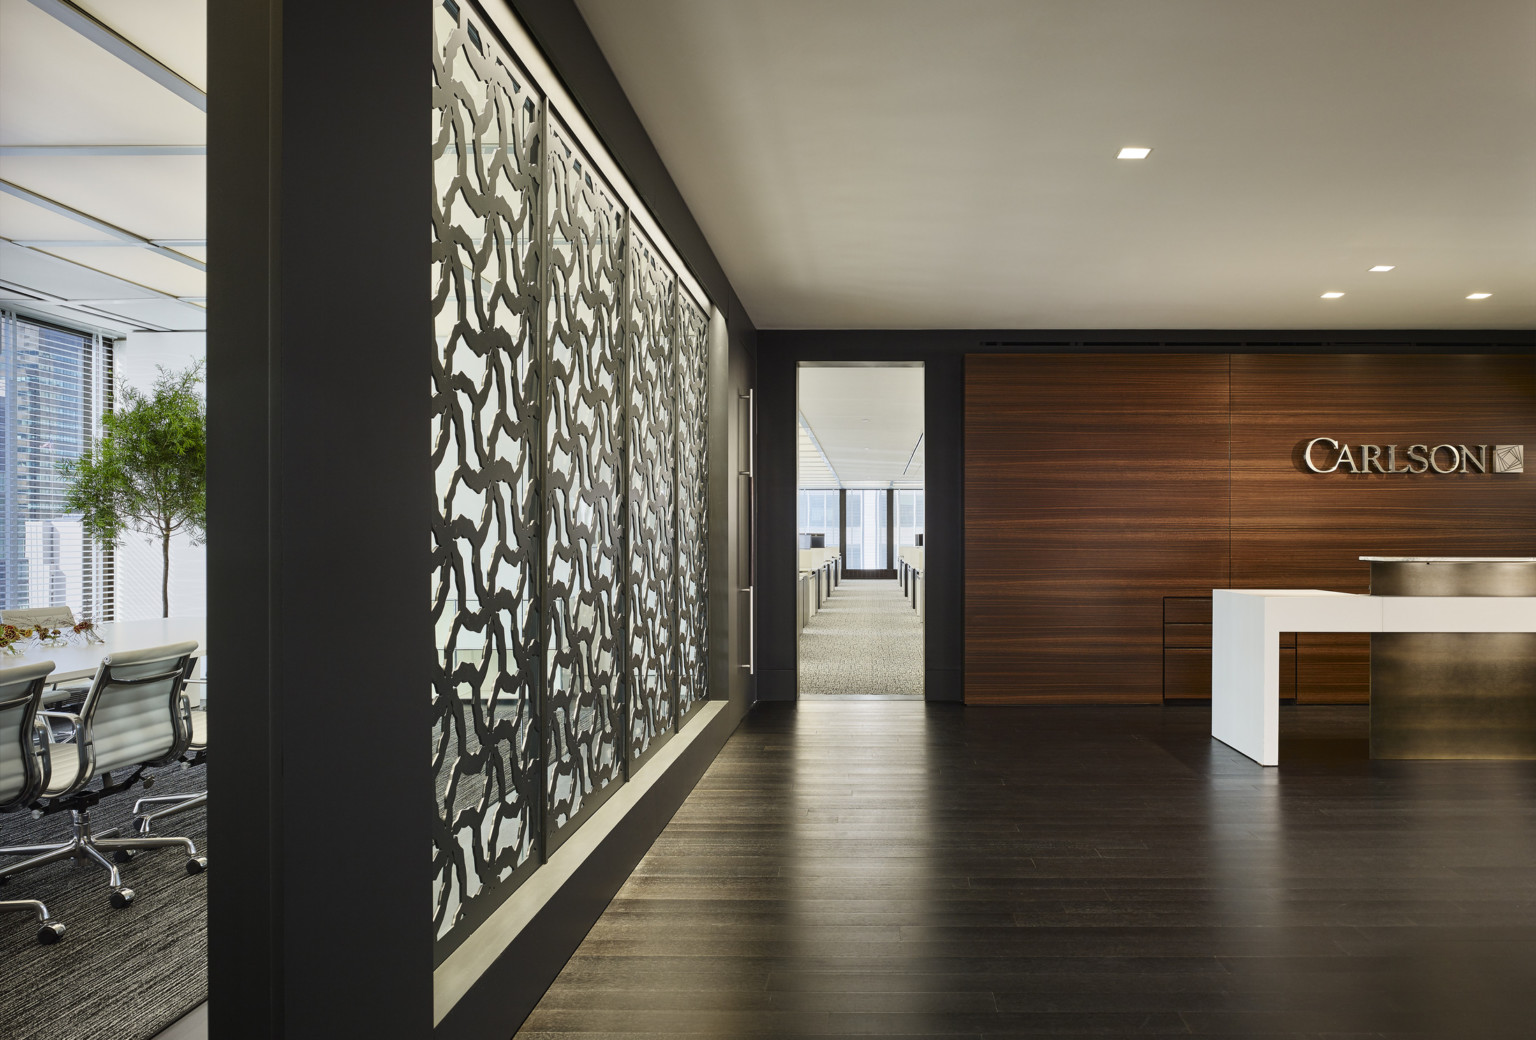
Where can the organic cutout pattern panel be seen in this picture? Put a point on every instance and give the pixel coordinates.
(652, 520)
(485, 539)
(568, 373)
(584, 484)
(692, 516)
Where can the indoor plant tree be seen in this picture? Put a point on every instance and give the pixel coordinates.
(148, 471)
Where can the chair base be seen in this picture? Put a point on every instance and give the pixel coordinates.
(87, 846)
(174, 803)
(49, 931)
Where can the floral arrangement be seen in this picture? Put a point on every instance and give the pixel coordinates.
(85, 631)
(9, 636)
(45, 636)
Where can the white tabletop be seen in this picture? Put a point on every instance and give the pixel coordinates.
(80, 662)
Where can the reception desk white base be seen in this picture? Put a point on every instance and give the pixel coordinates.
(1245, 645)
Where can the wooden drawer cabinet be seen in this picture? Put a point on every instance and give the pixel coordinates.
(1187, 651)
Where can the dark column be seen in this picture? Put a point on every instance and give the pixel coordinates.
(890, 529)
(319, 506)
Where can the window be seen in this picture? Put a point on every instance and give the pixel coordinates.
(54, 385)
(867, 522)
(820, 513)
(909, 517)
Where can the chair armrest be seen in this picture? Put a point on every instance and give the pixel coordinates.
(82, 747)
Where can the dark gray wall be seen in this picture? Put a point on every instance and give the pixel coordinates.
(319, 503)
(942, 353)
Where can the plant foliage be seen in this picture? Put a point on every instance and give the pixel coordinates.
(148, 473)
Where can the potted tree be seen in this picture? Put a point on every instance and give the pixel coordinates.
(148, 471)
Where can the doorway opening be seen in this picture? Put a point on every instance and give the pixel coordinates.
(860, 601)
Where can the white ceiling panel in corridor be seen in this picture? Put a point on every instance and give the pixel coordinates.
(868, 421)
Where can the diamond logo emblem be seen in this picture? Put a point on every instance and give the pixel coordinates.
(1509, 458)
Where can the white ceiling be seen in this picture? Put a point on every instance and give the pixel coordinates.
(916, 164)
(868, 421)
(88, 130)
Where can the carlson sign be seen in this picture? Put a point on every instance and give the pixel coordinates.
(1326, 455)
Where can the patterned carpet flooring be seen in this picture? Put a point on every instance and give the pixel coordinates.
(116, 974)
(866, 639)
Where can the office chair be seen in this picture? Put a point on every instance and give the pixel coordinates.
(24, 767)
(135, 716)
(196, 754)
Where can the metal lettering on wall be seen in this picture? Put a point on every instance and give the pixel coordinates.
(485, 543)
(584, 704)
(1327, 455)
(692, 508)
(652, 522)
(570, 626)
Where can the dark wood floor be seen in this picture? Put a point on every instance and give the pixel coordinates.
(892, 869)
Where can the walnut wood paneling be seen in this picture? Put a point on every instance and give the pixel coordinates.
(1094, 487)
(1296, 529)
(1107, 494)
(1187, 674)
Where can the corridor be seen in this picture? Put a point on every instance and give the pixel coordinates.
(866, 639)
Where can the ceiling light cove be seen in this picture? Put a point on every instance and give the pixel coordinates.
(1479, 295)
(1381, 268)
(1134, 153)
(1332, 295)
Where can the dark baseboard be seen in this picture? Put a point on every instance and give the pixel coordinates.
(776, 684)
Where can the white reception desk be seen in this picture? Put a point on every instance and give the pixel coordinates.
(1245, 651)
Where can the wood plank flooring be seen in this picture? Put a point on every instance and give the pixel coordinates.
(904, 870)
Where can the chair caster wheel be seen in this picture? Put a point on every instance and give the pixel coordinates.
(125, 855)
(50, 933)
(141, 826)
(197, 864)
(122, 898)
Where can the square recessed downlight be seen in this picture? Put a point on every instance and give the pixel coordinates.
(1384, 267)
(1479, 295)
(1134, 153)
(1332, 295)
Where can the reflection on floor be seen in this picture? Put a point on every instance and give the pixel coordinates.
(877, 869)
(118, 974)
(866, 639)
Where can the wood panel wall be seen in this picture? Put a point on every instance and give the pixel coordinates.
(1293, 528)
(1104, 490)
(1094, 487)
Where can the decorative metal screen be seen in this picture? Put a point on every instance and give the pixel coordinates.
(584, 432)
(485, 384)
(652, 521)
(692, 516)
(568, 440)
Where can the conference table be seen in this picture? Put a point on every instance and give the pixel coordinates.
(73, 661)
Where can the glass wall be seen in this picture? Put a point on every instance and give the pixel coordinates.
(909, 517)
(867, 525)
(820, 512)
(54, 385)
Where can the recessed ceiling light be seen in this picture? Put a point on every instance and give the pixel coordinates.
(1479, 295)
(1384, 267)
(1134, 153)
(1332, 295)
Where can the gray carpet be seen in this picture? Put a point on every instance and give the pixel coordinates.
(866, 639)
(116, 974)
